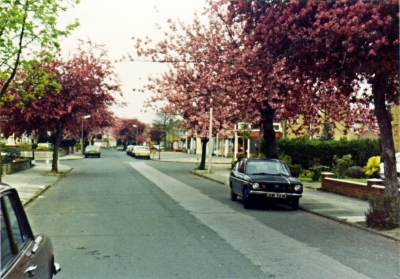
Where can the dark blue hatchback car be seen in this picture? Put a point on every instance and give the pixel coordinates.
(267, 179)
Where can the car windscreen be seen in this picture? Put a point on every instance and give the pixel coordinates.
(266, 167)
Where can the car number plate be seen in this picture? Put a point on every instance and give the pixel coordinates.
(279, 196)
(92, 151)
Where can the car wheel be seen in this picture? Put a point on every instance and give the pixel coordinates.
(85, 156)
(99, 156)
(246, 198)
(295, 204)
(233, 196)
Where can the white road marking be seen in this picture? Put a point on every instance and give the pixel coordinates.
(275, 253)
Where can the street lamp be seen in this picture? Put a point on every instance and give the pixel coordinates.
(136, 133)
(83, 117)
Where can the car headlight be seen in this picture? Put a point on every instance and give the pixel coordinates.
(297, 188)
(255, 186)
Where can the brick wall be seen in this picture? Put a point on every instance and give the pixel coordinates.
(373, 187)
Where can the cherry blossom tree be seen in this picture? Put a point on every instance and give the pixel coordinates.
(332, 49)
(287, 62)
(84, 84)
(127, 133)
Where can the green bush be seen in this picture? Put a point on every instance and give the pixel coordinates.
(25, 146)
(10, 154)
(286, 158)
(381, 214)
(354, 172)
(295, 170)
(316, 171)
(341, 164)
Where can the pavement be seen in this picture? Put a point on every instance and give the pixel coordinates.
(32, 182)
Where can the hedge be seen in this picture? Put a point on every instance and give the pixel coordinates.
(307, 152)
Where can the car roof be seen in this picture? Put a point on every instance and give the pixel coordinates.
(4, 187)
(263, 159)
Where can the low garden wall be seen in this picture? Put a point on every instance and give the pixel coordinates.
(21, 164)
(42, 155)
(373, 187)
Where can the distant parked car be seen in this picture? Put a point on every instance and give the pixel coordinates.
(142, 152)
(23, 254)
(93, 151)
(129, 150)
(382, 167)
(267, 179)
(120, 148)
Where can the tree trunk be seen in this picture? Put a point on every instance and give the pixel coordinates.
(386, 135)
(54, 164)
(203, 154)
(267, 123)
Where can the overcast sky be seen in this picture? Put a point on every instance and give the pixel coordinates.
(113, 23)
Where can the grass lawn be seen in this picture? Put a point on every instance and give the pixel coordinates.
(361, 180)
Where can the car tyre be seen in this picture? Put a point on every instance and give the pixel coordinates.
(247, 203)
(233, 196)
(295, 204)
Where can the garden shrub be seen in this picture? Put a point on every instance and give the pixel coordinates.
(316, 171)
(341, 164)
(10, 154)
(354, 172)
(380, 213)
(286, 158)
(295, 170)
(25, 146)
(372, 167)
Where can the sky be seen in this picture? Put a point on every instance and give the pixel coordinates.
(113, 23)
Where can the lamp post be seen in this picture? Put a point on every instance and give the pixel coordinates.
(136, 133)
(83, 117)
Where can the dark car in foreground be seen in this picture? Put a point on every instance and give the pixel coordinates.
(23, 255)
(93, 151)
(267, 179)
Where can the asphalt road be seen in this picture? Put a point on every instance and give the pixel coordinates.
(118, 217)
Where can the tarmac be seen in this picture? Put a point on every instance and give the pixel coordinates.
(32, 182)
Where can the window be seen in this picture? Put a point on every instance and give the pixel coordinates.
(6, 253)
(13, 229)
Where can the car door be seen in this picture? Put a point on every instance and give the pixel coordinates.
(239, 177)
(21, 256)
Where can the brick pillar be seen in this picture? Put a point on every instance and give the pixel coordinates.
(374, 181)
(326, 175)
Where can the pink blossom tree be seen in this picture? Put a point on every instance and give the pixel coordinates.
(84, 84)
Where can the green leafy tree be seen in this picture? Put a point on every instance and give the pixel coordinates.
(26, 28)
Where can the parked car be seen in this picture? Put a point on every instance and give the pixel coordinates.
(129, 150)
(93, 151)
(267, 179)
(382, 168)
(23, 255)
(142, 152)
(120, 148)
